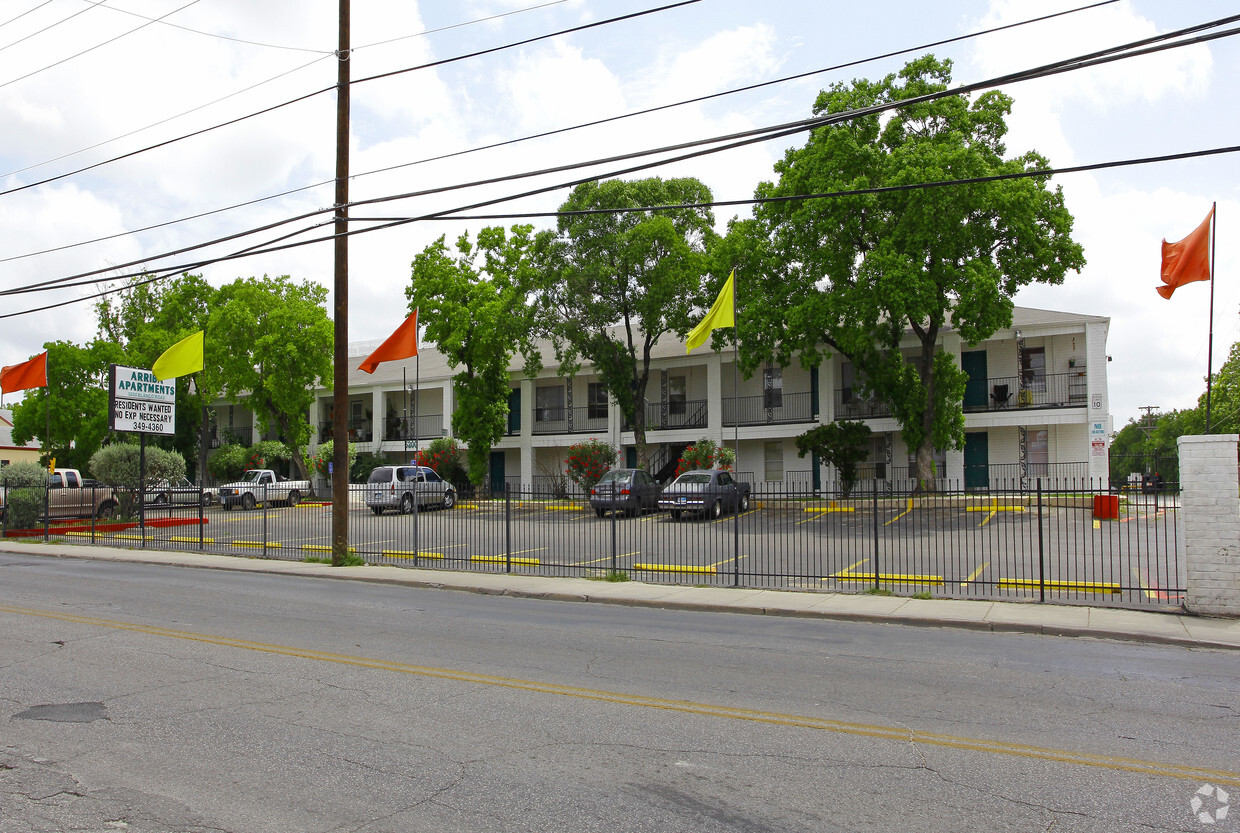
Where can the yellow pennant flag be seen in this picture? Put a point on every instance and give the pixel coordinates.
(722, 314)
(181, 358)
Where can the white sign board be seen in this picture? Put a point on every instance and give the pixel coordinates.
(140, 402)
(1098, 439)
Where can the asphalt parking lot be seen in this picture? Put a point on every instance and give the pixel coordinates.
(991, 547)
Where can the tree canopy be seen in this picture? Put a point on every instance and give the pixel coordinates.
(474, 306)
(856, 273)
(616, 282)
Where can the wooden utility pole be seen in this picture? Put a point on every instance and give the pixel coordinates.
(340, 374)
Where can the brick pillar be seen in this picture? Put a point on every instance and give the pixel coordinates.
(1210, 518)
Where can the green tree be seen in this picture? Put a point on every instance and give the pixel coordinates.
(77, 387)
(473, 305)
(844, 445)
(617, 282)
(855, 273)
(146, 319)
(268, 344)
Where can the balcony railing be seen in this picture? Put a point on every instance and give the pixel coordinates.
(1055, 390)
(686, 413)
(422, 427)
(769, 409)
(582, 420)
(225, 435)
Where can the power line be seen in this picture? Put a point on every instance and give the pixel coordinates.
(734, 141)
(333, 89)
(23, 14)
(580, 126)
(96, 46)
(44, 29)
(103, 5)
(324, 54)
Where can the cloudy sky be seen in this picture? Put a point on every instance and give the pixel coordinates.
(83, 82)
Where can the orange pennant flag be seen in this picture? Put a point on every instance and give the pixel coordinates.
(399, 345)
(30, 374)
(1187, 260)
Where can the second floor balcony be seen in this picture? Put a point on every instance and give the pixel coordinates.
(770, 408)
(1000, 393)
(676, 413)
(583, 420)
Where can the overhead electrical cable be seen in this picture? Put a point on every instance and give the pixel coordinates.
(734, 140)
(96, 46)
(23, 14)
(545, 134)
(332, 89)
(324, 56)
(103, 5)
(44, 29)
(452, 215)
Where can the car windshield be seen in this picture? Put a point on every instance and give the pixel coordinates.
(614, 476)
(252, 476)
(383, 474)
(693, 480)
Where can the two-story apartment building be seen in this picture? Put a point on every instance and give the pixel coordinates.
(1035, 406)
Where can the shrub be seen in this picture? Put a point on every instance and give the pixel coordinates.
(24, 507)
(844, 445)
(119, 466)
(706, 454)
(21, 475)
(588, 461)
(361, 467)
(268, 454)
(323, 457)
(228, 462)
(444, 455)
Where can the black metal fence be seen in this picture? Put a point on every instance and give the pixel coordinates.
(1060, 541)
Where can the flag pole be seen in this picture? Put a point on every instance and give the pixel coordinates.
(1210, 347)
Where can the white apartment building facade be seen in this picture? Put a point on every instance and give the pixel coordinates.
(1036, 405)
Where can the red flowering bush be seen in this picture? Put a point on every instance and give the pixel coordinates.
(445, 456)
(706, 454)
(588, 461)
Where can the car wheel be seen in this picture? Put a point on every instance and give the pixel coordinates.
(106, 510)
(294, 498)
(206, 499)
(744, 505)
(716, 509)
(406, 504)
(675, 514)
(160, 499)
(247, 501)
(600, 511)
(449, 499)
(378, 510)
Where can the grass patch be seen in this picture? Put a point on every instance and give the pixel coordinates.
(351, 559)
(879, 591)
(925, 594)
(611, 575)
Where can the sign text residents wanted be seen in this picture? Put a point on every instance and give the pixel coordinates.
(141, 403)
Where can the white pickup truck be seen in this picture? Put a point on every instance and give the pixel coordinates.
(263, 485)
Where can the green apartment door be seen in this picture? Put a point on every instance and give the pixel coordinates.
(498, 474)
(977, 460)
(973, 363)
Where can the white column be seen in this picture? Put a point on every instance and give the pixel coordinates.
(377, 414)
(1210, 519)
(1097, 400)
(714, 396)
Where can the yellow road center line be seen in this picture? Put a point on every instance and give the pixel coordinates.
(897, 734)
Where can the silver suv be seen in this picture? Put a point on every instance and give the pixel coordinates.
(395, 487)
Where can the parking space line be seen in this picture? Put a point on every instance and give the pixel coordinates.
(993, 510)
(824, 510)
(1061, 584)
(605, 558)
(974, 574)
(741, 515)
(902, 514)
(888, 578)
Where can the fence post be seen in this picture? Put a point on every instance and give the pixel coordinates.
(264, 520)
(614, 531)
(507, 528)
(202, 496)
(1041, 550)
(93, 503)
(876, 547)
(47, 490)
(735, 533)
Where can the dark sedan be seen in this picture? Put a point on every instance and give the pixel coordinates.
(631, 491)
(706, 491)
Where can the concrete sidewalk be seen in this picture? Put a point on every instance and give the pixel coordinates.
(1170, 628)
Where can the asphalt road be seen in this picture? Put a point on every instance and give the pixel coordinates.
(150, 698)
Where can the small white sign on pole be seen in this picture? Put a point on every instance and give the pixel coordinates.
(138, 402)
